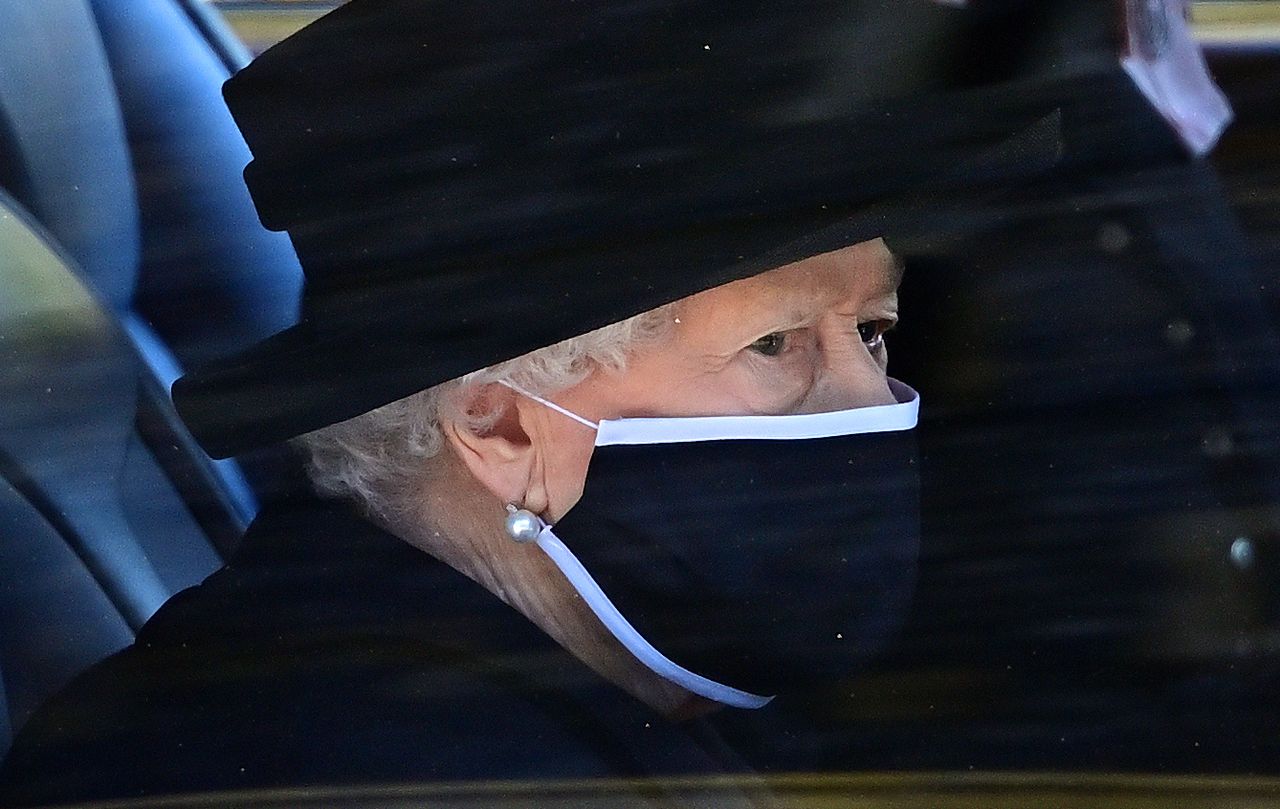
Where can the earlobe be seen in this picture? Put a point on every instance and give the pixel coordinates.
(499, 453)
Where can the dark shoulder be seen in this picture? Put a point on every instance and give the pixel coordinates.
(331, 652)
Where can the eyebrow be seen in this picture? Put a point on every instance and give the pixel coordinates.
(792, 314)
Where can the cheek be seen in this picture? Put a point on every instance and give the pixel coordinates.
(567, 459)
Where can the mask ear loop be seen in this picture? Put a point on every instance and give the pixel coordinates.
(523, 525)
(552, 405)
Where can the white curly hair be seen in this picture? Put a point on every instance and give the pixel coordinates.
(380, 459)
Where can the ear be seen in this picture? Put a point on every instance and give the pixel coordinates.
(501, 455)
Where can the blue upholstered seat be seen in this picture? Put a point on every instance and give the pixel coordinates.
(121, 172)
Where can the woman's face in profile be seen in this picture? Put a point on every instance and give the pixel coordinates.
(804, 338)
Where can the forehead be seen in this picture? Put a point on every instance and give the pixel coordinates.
(846, 276)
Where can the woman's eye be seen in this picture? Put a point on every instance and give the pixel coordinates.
(771, 345)
(872, 332)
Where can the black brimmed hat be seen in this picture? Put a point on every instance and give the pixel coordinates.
(468, 181)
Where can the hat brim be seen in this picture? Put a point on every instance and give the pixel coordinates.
(386, 343)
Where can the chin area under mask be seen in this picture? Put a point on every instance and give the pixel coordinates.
(742, 556)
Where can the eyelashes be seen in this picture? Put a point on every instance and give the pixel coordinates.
(872, 332)
(772, 344)
(777, 343)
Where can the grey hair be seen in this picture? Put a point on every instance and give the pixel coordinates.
(380, 459)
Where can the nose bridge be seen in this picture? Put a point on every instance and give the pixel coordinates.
(849, 375)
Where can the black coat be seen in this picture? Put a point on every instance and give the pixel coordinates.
(329, 652)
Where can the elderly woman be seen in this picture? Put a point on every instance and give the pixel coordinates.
(594, 325)
(438, 468)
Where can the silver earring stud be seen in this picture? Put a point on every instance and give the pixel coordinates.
(523, 525)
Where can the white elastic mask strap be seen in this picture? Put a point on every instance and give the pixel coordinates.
(562, 411)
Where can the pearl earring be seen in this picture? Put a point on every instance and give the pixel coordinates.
(523, 525)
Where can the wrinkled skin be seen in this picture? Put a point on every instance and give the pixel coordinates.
(804, 338)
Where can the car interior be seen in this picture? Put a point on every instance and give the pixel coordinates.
(130, 250)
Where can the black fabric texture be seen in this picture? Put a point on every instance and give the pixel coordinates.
(329, 652)
(465, 185)
(764, 565)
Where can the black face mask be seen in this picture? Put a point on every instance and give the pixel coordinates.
(741, 557)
